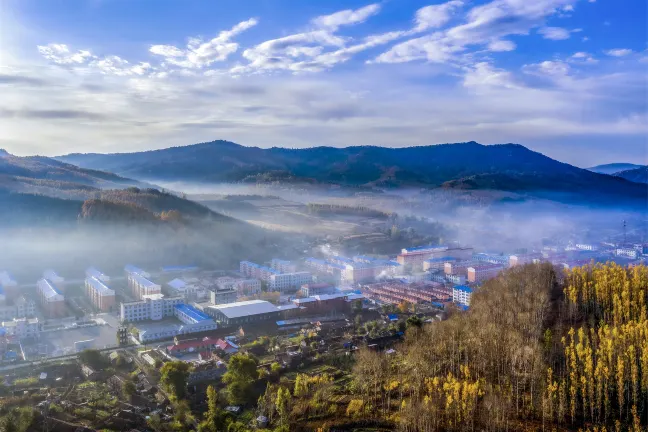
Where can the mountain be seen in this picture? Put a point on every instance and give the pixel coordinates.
(613, 168)
(637, 175)
(509, 167)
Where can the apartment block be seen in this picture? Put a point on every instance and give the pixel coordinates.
(141, 286)
(480, 273)
(151, 307)
(22, 328)
(100, 295)
(462, 295)
(51, 299)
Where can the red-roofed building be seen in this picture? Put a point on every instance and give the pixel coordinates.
(197, 345)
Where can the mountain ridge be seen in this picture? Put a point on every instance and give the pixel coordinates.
(510, 167)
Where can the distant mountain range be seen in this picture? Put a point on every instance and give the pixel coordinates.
(613, 168)
(508, 167)
(638, 175)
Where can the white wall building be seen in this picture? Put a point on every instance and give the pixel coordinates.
(288, 281)
(627, 252)
(129, 269)
(283, 266)
(22, 327)
(100, 295)
(141, 286)
(151, 307)
(20, 308)
(462, 295)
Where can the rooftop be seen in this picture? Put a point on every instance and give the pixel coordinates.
(463, 288)
(49, 289)
(141, 280)
(129, 268)
(100, 287)
(245, 308)
(177, 284)
(192, 312)
(174, 269)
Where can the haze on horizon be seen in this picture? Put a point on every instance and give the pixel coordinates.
(562, 77)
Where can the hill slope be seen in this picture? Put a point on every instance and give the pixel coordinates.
(613, 168)
(509, 167)
(637, 175)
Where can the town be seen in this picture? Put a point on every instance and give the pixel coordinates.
(96, 329)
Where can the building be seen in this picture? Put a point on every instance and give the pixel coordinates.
(323, 304)
(206, 344)
(462, 294)
(500, 259)
(22, 328)
(54, 277)
(101, 297)
(151, 307)
(586, 247)
(9, 285)
(183, 288)
(239, 313)
(123, 335)
(20, 308)
(257, 271)
(222, 296)
(129, 269)
(288, 281)
(482, 272)
(141, 286)
(416, 257)
(93, 272)
(530, 258)
(243, 287)
(50, 298)
(435, 264)
(456, 279)
(395, 292)
(627, 252)
(283, 266)
(189, 314)
(311, 289)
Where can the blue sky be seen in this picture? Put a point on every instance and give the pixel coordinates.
(563, 77)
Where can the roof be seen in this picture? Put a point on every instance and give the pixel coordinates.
(142, 280)
(194, 344)
(463, 288)
(129, 268)
(100, 287)
(424, 248)
(287, 307)
(93, 272)
(245, 308)
(305, 300)
(192, 312)
(50, 274)
(48, 289)
(324, 297)
(172, 269)
(177, 284)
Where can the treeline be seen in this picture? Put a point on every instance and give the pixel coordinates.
(341, 209)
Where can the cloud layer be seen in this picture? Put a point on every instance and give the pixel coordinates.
(441, 77)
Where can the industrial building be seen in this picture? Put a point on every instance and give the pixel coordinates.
(51, 299)
(100, 295)
(323, 304)
(189, 314)
(141, 286)
(247, 312)
(151, 307)
(462, 295)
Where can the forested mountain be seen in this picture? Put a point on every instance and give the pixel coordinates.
(638, 175)
(508, 167)
(613, 168)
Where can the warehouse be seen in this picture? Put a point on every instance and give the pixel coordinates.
(234, 314)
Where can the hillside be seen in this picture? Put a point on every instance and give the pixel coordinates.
(613, 168)
(637, 175)
(508, 167)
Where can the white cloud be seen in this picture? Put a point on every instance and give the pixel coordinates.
(346, 17)
(61, 54)
(501, 45)
(199, 54)
(554, 33)
(568, 8)
(484, 76)
(585, 39)
(114, 65)
(551, 68)
(435, 16)
(619, 52)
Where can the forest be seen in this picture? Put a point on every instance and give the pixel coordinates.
(538, 350)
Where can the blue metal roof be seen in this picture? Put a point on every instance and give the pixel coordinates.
(168, 269)
(418, 248)
(192, 312)
(463, 288)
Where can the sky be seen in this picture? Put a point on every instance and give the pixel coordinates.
(563, 77)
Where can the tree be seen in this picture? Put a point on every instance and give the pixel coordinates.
(92, 358)
(404, 306)
(241, 374)
(282, 404)
(414, 321)
(214, 419)
(129, 389)
(357, 307)
(174, 378)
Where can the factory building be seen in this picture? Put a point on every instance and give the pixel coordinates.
(151, 307)
(323, 304)
(189, 314)
(51, 299)
(247, 312)
(93, 272)
(141, 286)
(100, 295)
(22, 328)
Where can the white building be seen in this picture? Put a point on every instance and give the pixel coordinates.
(20, 308)
(189, 314)
(151, 307)
(627, 252)
(169, 331)
(288, 281)
(462, 295)
(585, 247)
(283, 266)
(22, 327)
(53, 276)
(93, 272)
(456, 279)
(182, 287)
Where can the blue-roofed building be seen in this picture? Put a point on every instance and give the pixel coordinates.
(93, 272)
(189, 314)
(131, 269)
(53, 276)
(100, 295)
(179, 269)
(51, 298)
(462, 294)
(141, 286)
